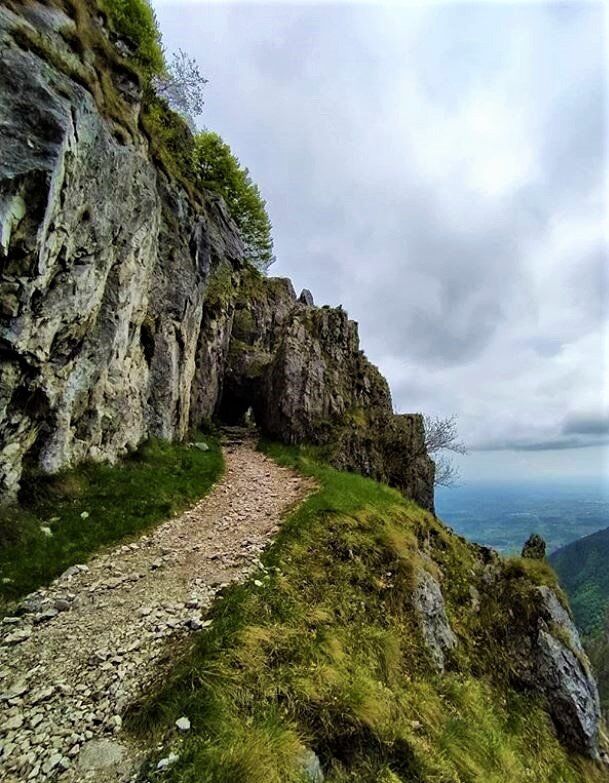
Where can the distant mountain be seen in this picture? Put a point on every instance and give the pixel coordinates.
(583, 570)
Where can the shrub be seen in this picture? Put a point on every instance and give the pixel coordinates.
(136, 21)
(219, 170)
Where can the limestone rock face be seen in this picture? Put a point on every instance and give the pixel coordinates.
(123, 314)
(553, 662)
(104, 264)
(430, 609)
(543, 652)
(301, 369)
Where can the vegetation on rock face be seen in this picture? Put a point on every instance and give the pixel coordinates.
(219, 170)
(64, 518)
(597, 648)
(321, 651)
(135, 21)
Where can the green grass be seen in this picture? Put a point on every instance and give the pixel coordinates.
(321, 650)
(95, 505)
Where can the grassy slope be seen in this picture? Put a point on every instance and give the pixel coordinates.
(582, 570)
(95, 505)
(321, 649)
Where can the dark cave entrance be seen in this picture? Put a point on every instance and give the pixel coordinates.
(237, 409)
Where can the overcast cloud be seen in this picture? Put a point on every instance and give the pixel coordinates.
(440, 171)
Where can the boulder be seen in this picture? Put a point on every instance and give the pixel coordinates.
(306, 298)
(430, 610)
(534, 547)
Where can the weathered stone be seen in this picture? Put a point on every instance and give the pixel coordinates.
(534, 547)
(19, 636)
(101, 754)
(306, 298)
(546, 656)
(183, 724)
(429, 607)
(301, 370)
(310, 765)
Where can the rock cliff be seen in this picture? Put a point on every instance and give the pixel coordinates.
(301, 370)
(118, 288)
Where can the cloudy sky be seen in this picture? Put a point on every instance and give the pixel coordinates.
(441, 171)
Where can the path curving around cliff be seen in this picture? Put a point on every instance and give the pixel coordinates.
(99, 634)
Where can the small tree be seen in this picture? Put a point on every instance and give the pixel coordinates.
(182, 87)
(442, 435)
(219, 170)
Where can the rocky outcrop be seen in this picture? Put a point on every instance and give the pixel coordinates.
(105, 262)
(541, 650)
(430, 610)
(301, 369)
(551, 659)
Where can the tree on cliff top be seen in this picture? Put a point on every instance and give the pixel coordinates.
(219, 170)
(440, 436)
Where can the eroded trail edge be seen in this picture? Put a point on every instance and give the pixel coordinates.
(89, 643)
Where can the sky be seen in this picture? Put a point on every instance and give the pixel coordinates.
(440, 170)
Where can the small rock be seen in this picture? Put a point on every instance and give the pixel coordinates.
(84, 515)
(183, 724)
(100, 754)
(17, 689)
(14, 723)
(19, 636)
(167, 761)
(201, 446)
(43, 695)
(48, 614)
(51, 763)
(46, 531)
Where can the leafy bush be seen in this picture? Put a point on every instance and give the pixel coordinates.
(136, 21)
(219, 170)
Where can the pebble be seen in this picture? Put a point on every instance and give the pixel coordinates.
(183, 724)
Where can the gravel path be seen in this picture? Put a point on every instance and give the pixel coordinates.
(88, 644)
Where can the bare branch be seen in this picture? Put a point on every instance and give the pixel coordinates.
(442, 435)
(447, 474)
(182, 87)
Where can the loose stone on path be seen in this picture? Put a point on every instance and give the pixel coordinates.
(80, 651)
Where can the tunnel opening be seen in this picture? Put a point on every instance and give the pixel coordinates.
(236, 409)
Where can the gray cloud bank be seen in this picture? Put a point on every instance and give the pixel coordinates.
(440, 171)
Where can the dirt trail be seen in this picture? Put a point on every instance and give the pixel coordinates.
(90, 642)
